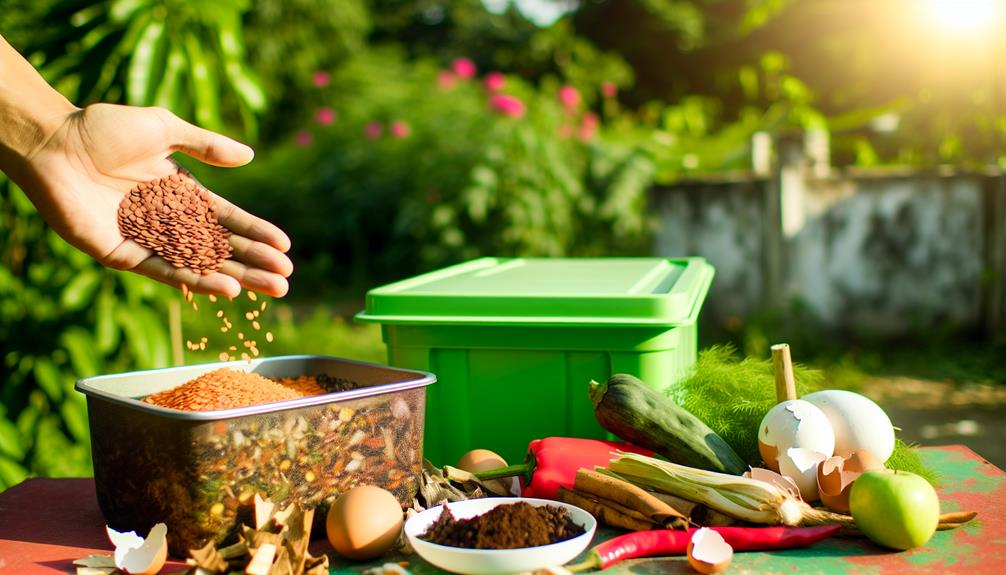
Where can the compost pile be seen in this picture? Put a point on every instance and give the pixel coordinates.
(510, 526)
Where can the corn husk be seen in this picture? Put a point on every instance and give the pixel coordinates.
(739, 497)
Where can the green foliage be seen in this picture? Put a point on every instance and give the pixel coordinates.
(906, 458)
(457, 181)
(62, 317)
(732, 395)
(185, 55)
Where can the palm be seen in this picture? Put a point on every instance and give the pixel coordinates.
(94, 163)
(102, 152)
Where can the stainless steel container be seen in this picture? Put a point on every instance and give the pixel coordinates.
(198, 472)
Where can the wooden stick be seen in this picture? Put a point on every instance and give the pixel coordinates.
(785, 384)
(627, 494)
(604, 513)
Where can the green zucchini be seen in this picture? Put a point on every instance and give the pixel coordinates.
(641, 415)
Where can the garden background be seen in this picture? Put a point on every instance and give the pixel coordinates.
(396, 137)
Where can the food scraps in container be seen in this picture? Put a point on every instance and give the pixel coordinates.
(509, 526)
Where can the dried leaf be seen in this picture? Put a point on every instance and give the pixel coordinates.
(264, 510)
(262, 558)
(96, 561)
(207, 558)
(316, 565)
(96, 570)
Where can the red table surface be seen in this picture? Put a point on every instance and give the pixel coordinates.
(45, 524)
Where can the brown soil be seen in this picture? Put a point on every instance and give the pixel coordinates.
(509, 526)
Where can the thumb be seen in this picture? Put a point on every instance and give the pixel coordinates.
(209, 147)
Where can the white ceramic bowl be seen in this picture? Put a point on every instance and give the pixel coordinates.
(496, 561)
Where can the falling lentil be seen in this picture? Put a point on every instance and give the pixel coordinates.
(252, 296)
(256, 325)
(268, 336)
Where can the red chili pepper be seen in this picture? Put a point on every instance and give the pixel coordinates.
(552, 462)
(665, 542)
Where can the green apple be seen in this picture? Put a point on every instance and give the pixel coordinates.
(895, 509)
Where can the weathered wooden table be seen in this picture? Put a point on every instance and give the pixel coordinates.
(47, 523)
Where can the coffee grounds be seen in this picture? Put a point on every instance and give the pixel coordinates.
(510, 526)
(175, 218)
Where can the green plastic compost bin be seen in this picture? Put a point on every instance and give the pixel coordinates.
(514, 342)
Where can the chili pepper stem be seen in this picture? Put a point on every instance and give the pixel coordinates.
(523, 469)
(592, 562)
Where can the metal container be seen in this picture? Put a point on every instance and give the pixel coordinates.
(198, 472)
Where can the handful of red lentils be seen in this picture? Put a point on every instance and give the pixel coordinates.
(175, 218)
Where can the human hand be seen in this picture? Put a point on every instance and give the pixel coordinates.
(96, 155)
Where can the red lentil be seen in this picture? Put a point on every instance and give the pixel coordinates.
(228, 389)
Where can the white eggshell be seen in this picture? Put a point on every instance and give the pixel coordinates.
(800, 465)
(796, 423)
(858, 422)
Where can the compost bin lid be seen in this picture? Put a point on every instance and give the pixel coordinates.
(515, 291)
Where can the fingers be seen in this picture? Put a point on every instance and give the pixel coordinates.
(255, 279)
(206, 146)
(228, 281)
(244, 224)
(260, 255)
(215, 283)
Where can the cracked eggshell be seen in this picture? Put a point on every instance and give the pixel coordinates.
(794, 423)
(773, 478)
(858, 422)
(138, 556)
(800, 464)
(708, 552)
(834, 483)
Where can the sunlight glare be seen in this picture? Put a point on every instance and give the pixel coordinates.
(964, 16)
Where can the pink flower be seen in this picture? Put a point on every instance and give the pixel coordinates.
(373, 130)
(565, 131)
(464, 68)
(495, 81)
(446, 80)
(303, 138)
(507, 105)
(321, 78)
(400, 129)
(325, 116)
(588, 127)
(609, 89)
(569, 97)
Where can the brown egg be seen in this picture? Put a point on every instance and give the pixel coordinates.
(483, 460)
(364, 522)
(834, 483)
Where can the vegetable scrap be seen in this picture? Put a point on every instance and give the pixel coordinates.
(226, 388)
(507, 526)
(641, 415)
(552, 463)
(667, 543)
(621, 504)
(276, 546)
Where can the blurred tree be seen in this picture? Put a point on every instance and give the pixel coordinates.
(185, 55)
(289, 41)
